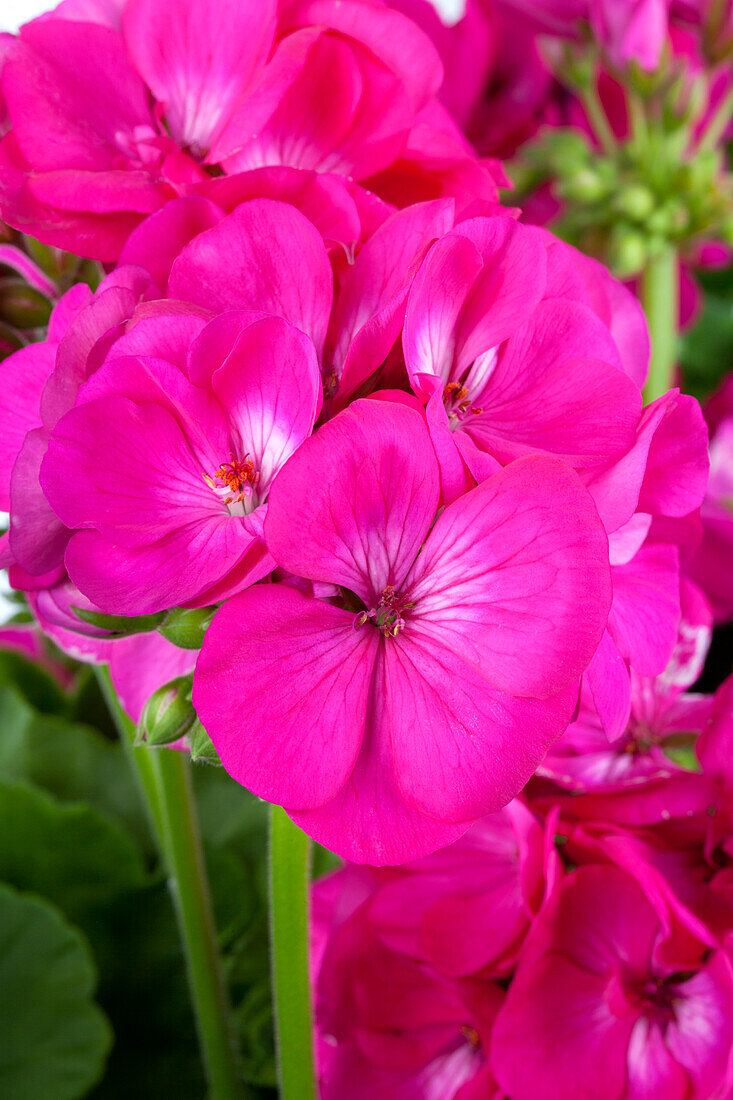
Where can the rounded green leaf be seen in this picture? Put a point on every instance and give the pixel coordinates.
(53, 1038)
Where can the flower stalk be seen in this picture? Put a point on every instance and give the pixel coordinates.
(165, 780)
(290, 851)
(660, 293)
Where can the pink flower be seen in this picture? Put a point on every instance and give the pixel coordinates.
(167, 472)
(596, 1010)
(661, 713)
(711, 566)
(489, 884)
(387, 1025)
(501, 342)
(428, 712)
(108, 122)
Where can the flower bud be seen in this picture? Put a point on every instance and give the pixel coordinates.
(168, 714)
(634, 201)
(584, 186)
(185, 627)
(628, 251)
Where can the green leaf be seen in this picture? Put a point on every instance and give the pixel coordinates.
(71, 854)
(53, 1038)
(706, 351)
(72, 761)
(33, 682)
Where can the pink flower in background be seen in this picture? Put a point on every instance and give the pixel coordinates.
(428, 712)
(500, 357)
(711, 566)
(662, 715)
(427, 1040)
(108, 121)
(489, 884)
(593, 1011)
(168, 474)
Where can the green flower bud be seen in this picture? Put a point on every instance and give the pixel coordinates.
(634, 201)
(168, 714)
(627, 251)
(185, 627)
(585, 186)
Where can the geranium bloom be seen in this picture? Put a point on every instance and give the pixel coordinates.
(110, 119)
(168, 473)
(594, 1011)
(711, 567)
(426, 1040)
(386, 725)
(489, 884)
(498, 345)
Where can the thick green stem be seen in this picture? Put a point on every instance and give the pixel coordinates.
(289, 909)
(165, 779)
(660, 293)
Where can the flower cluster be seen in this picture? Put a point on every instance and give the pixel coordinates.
(564, 946)
(343, 467)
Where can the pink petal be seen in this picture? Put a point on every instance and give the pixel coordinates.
(297, 739)
(562, 357)
(141, 664)
(461, 748)
(200, 67)
(37, 536)
(70, 90)
(365, 488)
(23, 376)
(182, 567)
(646, 608)
(270, 386)
(370, 309)
(157, 241)
(278, 265)
(518, 565)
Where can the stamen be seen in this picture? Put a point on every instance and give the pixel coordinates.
(387, 615)
(238, 476)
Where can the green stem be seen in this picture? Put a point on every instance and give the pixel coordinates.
(138, 756)
(165, 778)
(289, 910)
(660, 294)
(598, 118)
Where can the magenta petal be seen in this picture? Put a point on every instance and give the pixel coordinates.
(610, 685)
(141, 664)
(517, 566)
(155, 243)
(23, 376)
(365, 488)
(370, 309)
(556, 387)
(496, 741)
(270, 386)
(182, 567)
(73, 95)
(37, 536)
(646, 608)
(297, 738)
(277, 264)
(198, 65)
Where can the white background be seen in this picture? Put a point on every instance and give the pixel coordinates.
(15, 12)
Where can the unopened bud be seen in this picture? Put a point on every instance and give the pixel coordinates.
(634, 201)
(168, 714)
(185, 627)
(585, 186)
(627, 251)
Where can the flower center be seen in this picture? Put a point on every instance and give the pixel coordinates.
(235, 482)
(457, 401)
(387, 615)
